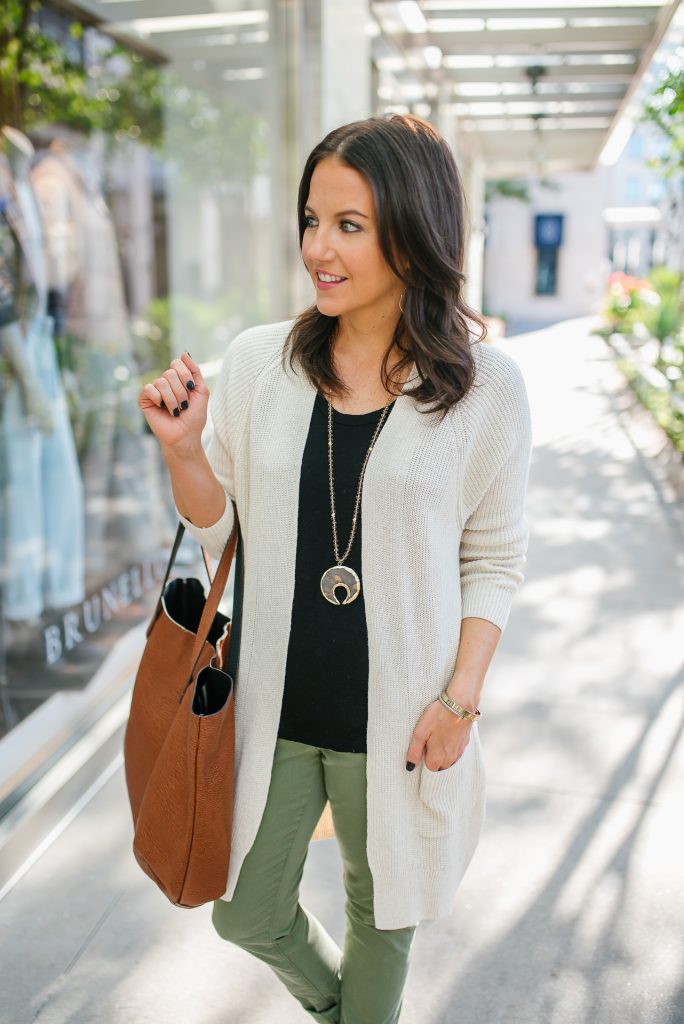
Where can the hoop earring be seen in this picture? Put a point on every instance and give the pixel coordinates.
(400, 300)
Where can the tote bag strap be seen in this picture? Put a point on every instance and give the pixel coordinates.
(172, 559)
(236, 612)
(218, 585)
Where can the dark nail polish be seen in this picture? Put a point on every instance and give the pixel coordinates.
(190, 385)
(176, 411)
(410, 766)
(184, 404)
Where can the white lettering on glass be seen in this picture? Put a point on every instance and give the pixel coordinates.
(102, 606)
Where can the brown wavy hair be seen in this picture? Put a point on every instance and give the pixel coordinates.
(421, 216)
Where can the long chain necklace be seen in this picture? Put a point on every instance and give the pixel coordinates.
(340, 575)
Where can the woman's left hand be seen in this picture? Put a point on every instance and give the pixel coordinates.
(440, 736)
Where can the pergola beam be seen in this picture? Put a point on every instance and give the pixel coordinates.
(555, 74)
(480, 115)
(589, 98)
(519, 126)
(530, 10)
(557, 40)
(592, 57)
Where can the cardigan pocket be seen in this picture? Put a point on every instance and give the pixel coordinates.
(451, 798)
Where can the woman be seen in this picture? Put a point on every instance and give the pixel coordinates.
(361, 665)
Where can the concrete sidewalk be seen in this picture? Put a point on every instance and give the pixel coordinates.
(572, 910)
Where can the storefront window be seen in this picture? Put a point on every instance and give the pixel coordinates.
(139, 215)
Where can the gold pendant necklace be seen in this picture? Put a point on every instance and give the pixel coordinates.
(343, 575)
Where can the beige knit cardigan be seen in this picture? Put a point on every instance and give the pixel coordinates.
(444, 536)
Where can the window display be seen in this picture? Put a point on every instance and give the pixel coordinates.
(138, 210)
(42, 492)
(82, 534)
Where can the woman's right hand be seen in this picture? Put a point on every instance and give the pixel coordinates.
(180, 388)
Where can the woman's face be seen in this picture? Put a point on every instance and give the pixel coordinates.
(341, 240)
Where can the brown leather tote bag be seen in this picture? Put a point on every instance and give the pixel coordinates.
(179, 742)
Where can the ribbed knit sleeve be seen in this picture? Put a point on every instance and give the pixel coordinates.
(219, 453)
(213, 539)
(247, 356)
(495, 535)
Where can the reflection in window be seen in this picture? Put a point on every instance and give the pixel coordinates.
(136, 219)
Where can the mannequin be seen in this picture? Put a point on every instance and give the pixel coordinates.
(19, 150)
(85, 285)
(42, 494)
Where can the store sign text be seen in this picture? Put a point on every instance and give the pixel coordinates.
(102, 606)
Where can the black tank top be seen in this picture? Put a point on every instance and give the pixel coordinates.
(325, 701)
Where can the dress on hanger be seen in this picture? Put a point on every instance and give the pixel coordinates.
(41, 492)
(84, 270)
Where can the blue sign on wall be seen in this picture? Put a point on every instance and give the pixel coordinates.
(548, 230)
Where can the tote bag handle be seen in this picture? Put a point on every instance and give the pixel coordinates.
(218, 585)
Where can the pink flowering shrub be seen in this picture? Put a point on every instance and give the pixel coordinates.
(627, 297)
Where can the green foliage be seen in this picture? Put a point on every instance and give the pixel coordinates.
(507, 189)
(201, 324)
(665, 109)
(207, 139)
(665, 280)
(652, 307)
(659, 403)
(206, 327)
(152, 334)
(664, 319)
(517, 189)
(40, 85)
(130, 90)
(626, 300)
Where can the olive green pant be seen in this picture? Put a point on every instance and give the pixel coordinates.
(364, 983)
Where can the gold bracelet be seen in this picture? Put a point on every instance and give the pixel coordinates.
(456, 709)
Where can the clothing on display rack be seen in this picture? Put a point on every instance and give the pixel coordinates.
(41, 491)
(86, 290)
